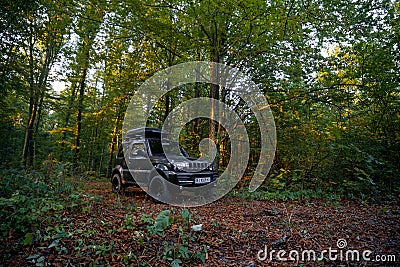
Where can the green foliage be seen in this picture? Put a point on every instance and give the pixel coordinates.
(129, 221)
(147, 219)
(28, 239)
(27, 201)
(186, 215)
(176, 253)
(162, 222)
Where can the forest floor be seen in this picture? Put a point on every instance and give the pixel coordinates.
(114, 230)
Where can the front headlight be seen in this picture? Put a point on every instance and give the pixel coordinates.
(162, 167)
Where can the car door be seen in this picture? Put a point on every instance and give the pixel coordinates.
(138, 162)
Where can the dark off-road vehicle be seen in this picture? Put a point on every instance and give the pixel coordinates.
(146, 165)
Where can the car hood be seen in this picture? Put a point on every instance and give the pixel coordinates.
(176, 160)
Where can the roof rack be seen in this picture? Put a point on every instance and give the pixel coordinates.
(148, 131)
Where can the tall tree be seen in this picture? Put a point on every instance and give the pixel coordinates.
(45, 32)
(88, 27)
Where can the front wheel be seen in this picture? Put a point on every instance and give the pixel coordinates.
(158, 190)
(116, 184)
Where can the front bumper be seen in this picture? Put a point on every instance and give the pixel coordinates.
(188, 179)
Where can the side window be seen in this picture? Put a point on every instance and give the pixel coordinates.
(137, 150)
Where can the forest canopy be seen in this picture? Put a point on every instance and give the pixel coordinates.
(329, 70)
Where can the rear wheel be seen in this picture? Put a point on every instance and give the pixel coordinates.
(116, 184)
(158, 190)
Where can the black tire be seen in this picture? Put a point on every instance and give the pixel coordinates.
(158, 190)
(116, 184)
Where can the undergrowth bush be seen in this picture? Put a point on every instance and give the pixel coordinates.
(28, 199)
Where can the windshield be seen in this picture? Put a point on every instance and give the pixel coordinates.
(156, 147)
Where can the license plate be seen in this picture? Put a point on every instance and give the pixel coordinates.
(202, 180)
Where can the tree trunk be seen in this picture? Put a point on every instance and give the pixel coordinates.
(37, 89)
(67, 118)
(214, 94)
(78, 125)
(112, 145)
(27, 153)
(197, 94)
(166, 113)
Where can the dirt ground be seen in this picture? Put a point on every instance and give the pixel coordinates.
(112, 231)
